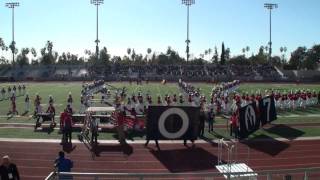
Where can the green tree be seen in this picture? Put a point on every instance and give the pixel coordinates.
(133, 55)
(206, 52)
(209, 53)
(223, 55)
(128, 51)
(149, 53)
(3, 46)
(48, 55)
(104, 56)
(22, 58)
(297, 57)
(227, 54)
(312, 58)
(216, 55)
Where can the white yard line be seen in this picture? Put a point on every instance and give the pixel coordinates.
(297, 115)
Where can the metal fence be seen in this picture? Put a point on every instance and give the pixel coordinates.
(284, 174)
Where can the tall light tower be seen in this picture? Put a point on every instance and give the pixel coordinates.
(97, 3)
(270, 6)
(188, 3)
(12, 5)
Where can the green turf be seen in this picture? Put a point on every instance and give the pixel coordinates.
(60, 90)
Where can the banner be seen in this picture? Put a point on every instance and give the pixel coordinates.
(172, 122)
(267, 110)
(249, 121)
(252, 117)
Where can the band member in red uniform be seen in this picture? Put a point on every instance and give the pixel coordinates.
(66, 126)
(37, 105)
(70, 99)
(234, 123)
(13, 110)
(52, 112)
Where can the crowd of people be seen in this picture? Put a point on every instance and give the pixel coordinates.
(195, 72)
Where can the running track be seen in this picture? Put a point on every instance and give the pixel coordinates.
(35, 160)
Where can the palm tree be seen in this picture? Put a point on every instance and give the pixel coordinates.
(206, 52)
(129, 51)
(149, 52)
(209, 52)
(247, 49)
(283, 50)
(244, 51)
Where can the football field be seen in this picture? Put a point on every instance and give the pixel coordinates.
(305, 121)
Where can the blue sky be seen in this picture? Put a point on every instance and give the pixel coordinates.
(157, 24)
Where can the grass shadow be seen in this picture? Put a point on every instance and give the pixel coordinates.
(135, 134)
(186, 160)
(285, 131)
(266, 144)
(48, 129)
(25, 113)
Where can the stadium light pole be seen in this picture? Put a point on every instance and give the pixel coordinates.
(12, 6)
(270, 7)
(188, 3)
(97, 3)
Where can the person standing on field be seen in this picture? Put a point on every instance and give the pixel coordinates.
(27, 104)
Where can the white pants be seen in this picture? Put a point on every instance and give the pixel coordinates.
(27, 106)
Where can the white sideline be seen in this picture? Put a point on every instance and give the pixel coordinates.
(141, 141)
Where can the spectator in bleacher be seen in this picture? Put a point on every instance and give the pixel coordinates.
(63, 165)
(8, 170)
